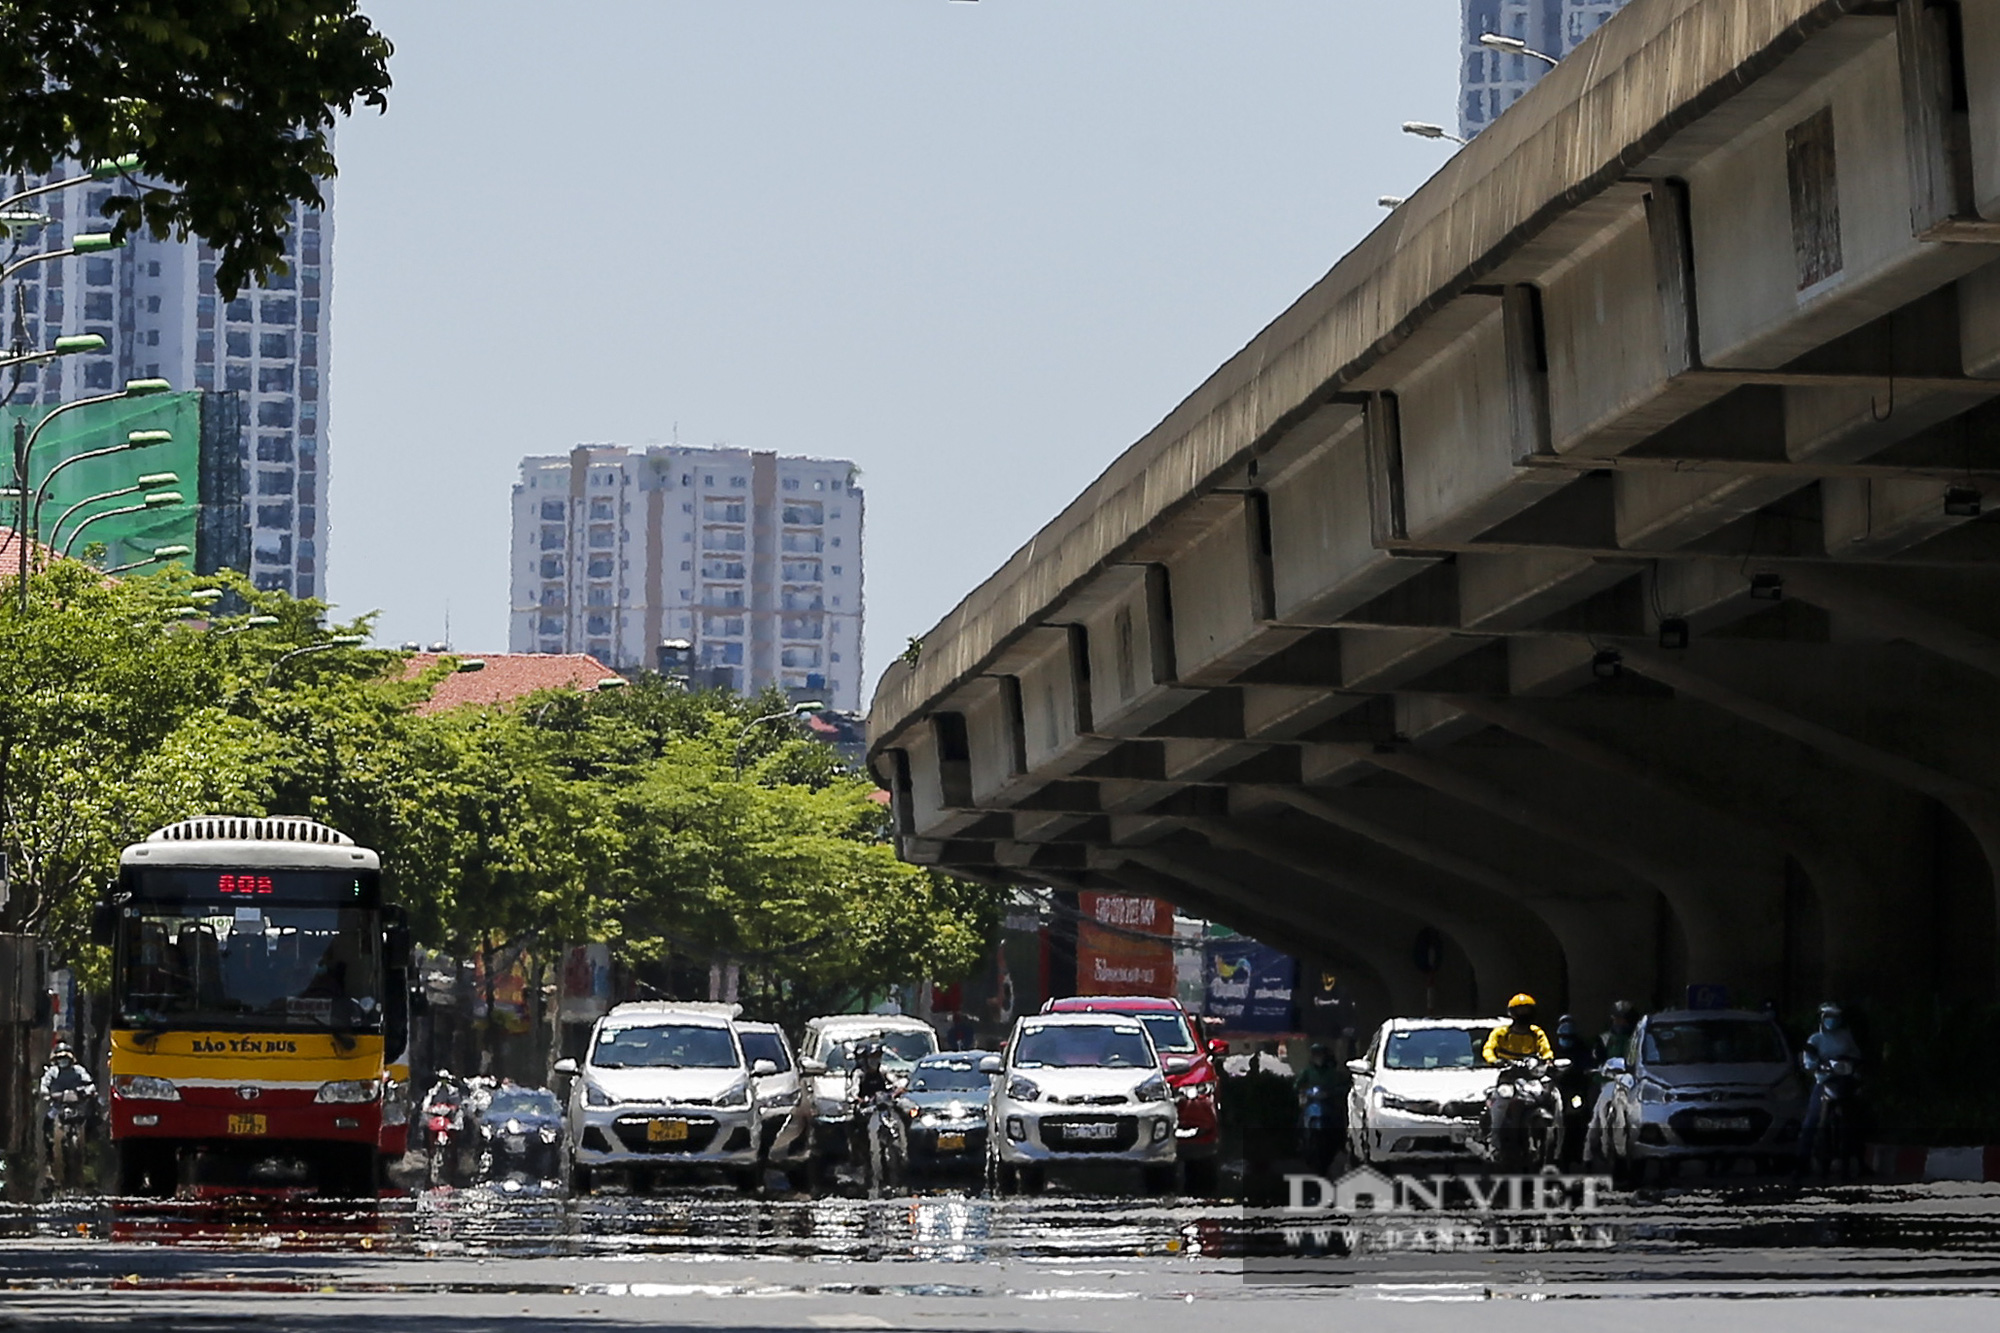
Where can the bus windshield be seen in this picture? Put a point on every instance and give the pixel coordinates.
(187, 964)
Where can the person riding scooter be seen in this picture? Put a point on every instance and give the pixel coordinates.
(64, 1075)
(1518, 1038)
(1523, 1096)
(1322, 1108)
(1831, 1055)
(1576, 1086)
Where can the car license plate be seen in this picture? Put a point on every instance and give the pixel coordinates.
(1722, 1123)
(1090, 1131)
(666, 1131)
(951, 1143)
(246, 1124)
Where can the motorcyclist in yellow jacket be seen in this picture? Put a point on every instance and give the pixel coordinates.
(1518, 1038)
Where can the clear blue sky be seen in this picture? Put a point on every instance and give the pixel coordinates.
(978, 248)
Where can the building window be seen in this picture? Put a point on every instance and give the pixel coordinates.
(274, 412)
(274, 379)
(97, 272)
(552, 565)
(600, 567)
(275, 482)
(738, 482)
(153, 302)
(97, 305)
(553, 510)
(280, 310)
(791, 483)
(552, 539)
(238, 311)
(597, 625)
(805, 513)
(236, 377)
(274, 449)
(276, 516)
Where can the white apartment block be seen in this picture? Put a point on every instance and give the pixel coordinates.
(753, 558)
(1492, 81)
(155, 305)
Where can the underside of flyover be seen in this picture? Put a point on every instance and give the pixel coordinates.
(1600, 567)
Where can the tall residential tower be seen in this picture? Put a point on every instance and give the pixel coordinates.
(1491, 81)
(752, 559)
(155, 305)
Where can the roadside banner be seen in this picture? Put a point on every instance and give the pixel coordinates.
(586, 990)
(1250, 986)
(1124, 945)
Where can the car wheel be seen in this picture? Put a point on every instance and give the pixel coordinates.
(1204, 1177)
(579, 1179)
(1033, 1180)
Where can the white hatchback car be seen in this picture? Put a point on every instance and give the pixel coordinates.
(1420, 1091)
(663, 1088)
(1075, 1089)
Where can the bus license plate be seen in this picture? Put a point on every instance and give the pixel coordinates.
(1091, 1131)
(666, 1131)
(951, 1143)
(246, 1124)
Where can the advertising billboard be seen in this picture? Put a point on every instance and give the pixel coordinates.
(1251, 986)
(1124, 945)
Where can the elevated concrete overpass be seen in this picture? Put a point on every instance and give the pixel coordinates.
(1598, 566)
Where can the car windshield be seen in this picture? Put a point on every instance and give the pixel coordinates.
(766, 1046)
(292, 968)
(900, 1049)
(665, 1046)
(1169, 1032)
(1433, 1048)
(947, 1076)
(510, 1102)
(1713, 1041)
(1082, 1046)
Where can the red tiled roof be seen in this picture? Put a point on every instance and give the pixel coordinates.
(10, 554)
(507, 677)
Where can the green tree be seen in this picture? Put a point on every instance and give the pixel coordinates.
(227, 104)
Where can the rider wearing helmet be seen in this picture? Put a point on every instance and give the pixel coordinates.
(1518, 1038)
(1831, 1044)
(869, 1078)
(63, 1074)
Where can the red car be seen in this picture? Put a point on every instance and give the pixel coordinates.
(1190, 1061)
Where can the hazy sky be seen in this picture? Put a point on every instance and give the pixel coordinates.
(978, 248)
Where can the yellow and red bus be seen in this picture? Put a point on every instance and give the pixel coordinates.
(252, 964)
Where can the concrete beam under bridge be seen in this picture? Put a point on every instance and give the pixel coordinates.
(1599, 563)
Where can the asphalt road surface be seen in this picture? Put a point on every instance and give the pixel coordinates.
(1762, 1257)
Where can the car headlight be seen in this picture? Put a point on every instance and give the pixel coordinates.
(595, 1096)
(348, 1091)
(736, 1094)
(1194, 1092)
(548, 1133)
(929, 1120)
(1652, 1094)
(1391, 1102)
(146, 1088)
(486, 1131)
(1023, 1089)
(1154, 1089)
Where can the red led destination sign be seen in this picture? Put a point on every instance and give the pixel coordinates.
(242, 884)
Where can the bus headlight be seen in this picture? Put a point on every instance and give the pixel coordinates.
(145, 1088)
(348, 1091)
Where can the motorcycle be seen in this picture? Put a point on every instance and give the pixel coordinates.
(442, 1122)
(1319, 1119)
(1524, 1120)
(1831, 1144)
(70, 1113)
(882, 1156)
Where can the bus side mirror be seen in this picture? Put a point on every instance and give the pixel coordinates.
(103, 924)
(420, 1002)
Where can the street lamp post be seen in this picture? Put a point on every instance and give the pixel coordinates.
(144, 483)
(796, 710)
(338, 641)
(157, 500)
(1423, 129)
(1514, 46)
(159, 553)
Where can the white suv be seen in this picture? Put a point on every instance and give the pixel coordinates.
(663, 1088)
(1075, 1089)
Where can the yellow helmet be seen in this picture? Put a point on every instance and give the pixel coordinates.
(1522, 999)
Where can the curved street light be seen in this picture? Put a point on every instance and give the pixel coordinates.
(338, 641)
(157, 500)
(1514, 46)
(145, 483)
(159, 554)
(796, 710)
(1423, 129)
(250, 622)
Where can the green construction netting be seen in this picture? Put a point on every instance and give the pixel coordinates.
(127, 537)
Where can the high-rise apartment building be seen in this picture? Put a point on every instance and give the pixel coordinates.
(155, 305)
(1491, 81)
(752, 559)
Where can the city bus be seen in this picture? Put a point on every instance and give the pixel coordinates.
(251, 964)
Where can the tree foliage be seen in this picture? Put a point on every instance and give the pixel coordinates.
(227, 104)
(666, 822)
